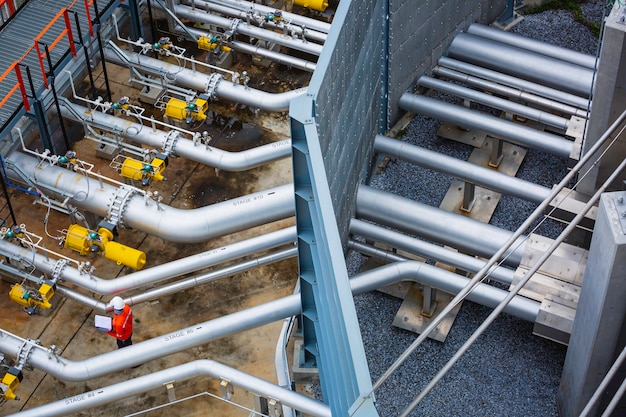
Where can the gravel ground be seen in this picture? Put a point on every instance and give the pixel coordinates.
(508, 371)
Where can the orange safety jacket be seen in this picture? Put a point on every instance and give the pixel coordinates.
(122, 324)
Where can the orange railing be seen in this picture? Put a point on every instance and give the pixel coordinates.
(9, 4)
(41, 56)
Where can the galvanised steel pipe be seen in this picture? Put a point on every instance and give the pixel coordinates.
(204, 367)
(146, 215)
(46, 360)
(246, 6)
(155, 274)
(485, 177)
(524, 85)
(419, 247)
(522, 63)
(495, 102)
(464, 233)
(471, 119)
(543, 48)
(200, 81)
(238, 26)
(438, 278)
(511, 92)
(181, 146)
(287, 24)
(290, 61)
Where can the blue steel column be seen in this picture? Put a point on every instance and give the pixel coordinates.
(332, 339)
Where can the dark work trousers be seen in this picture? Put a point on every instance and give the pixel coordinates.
(124, 343)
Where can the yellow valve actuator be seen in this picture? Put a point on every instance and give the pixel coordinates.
(319, 5)
(189, 112)
(9, 383)
(20, 295)
(83, 241)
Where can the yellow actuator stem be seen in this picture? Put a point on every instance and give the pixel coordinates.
(319, 5)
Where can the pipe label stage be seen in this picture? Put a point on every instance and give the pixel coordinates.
(177, 335)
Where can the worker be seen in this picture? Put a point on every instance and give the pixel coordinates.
(122, 323)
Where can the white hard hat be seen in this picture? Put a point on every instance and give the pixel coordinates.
(117, 303)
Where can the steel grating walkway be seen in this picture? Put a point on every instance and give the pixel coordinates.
(45, 21)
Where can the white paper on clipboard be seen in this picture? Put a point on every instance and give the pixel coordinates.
(103, 322)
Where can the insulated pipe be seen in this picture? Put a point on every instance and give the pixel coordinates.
(521, 63)
(410, 244)
(46, 360)
(238, 26)
(286, 24)
(295, 18)
(200, 81)
(464, 233)
(146, 215)
(441, 279)
(204, 367)
(495, 102)
(479, 175)
(511, 92)
(524, 85)
(290, 61)
(543, 48)
(180, 146)
(153, 275)
(470, 119)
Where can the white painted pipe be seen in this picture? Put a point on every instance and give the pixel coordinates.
(180, 146)
(471, 119)
(146, 215)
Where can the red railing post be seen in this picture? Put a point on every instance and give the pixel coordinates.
(41, 65)
(88, 13)
(70, 37)
(20, 80)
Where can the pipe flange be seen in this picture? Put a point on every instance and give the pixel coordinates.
(170, 142)
(214, 80)
(118, 205)
(57, 270)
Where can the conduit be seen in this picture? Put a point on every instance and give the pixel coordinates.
(107, 395)
(180, 146)
(302, 27)
(522, 63)
(155, 274)
(523, 85)
(202, 82)
(469, 119)
(46, 360)
(144, 214)
(240, 27)
(464, 233)
(543, 48)
(290, 61)
(510, 92)
(419, 247)
(495, 102)
(479, 175)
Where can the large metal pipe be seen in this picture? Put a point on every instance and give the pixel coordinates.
(463, 233)
(428, 250)
(204, 367)
(200, 81)
(543, 48)
(290, 61)
(238, 26)
(291, 23)
(46, 360)
(522, 63)
(153, 275)
(250, 6)
(479, 175)
(495, 102)
(470, 119)
(524, 85)
(511, 92)
(146, 215)
(180, 146)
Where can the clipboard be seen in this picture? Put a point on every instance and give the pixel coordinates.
(103, 323)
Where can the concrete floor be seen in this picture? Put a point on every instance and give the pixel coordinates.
(69, 325)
